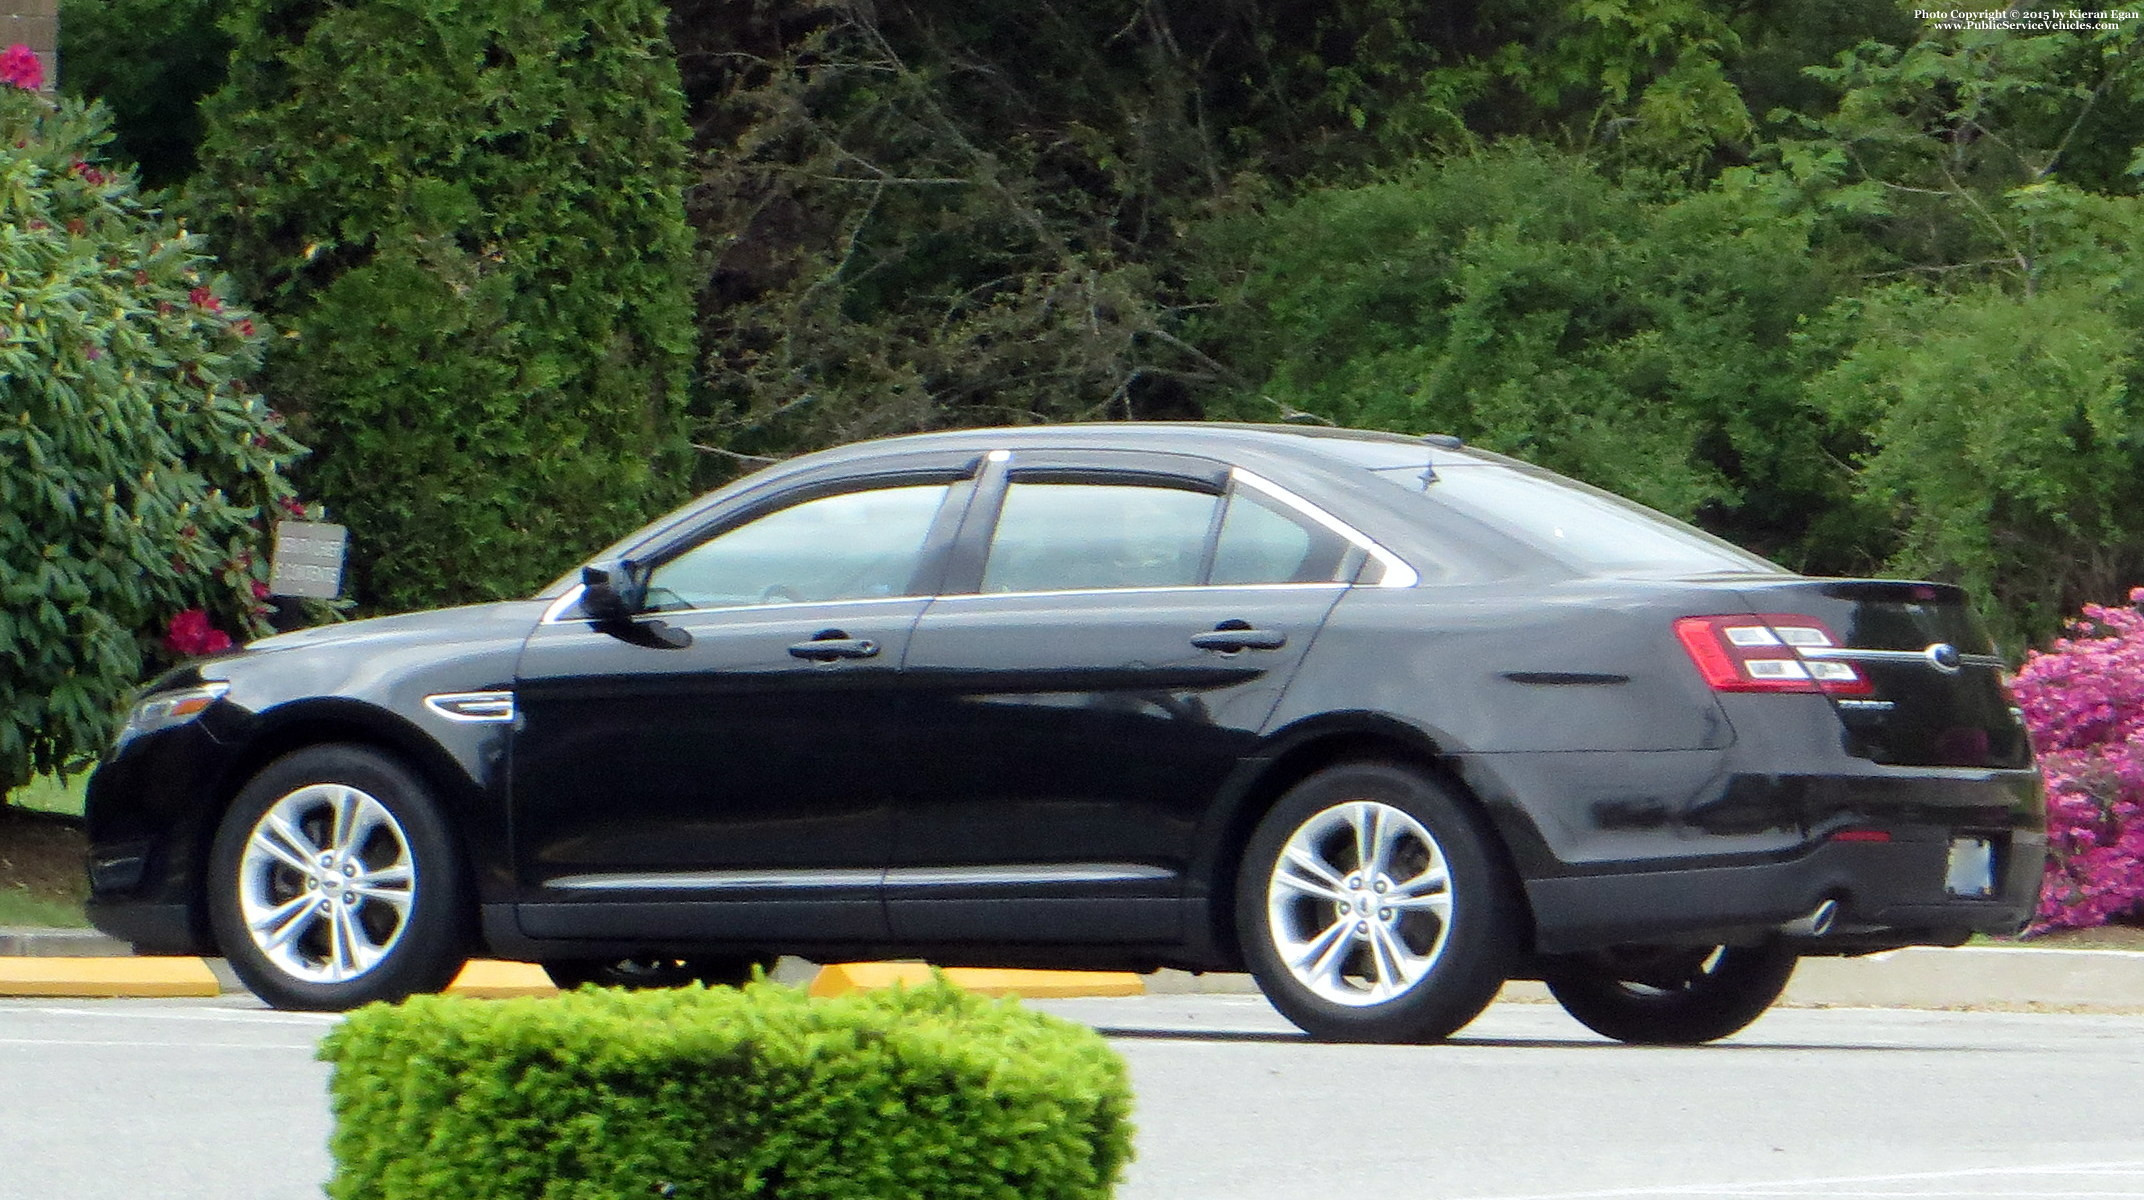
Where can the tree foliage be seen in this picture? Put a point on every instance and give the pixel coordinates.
(137, 466)
(468, 219)
(151, 62)
(1799, 270)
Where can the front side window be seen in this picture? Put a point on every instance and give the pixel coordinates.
(851, 546)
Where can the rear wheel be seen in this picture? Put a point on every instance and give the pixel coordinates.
(653, 972)
(1371, 907)
(333, 882)
(1672, 996)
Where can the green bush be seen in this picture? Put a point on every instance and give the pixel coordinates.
(600, 1094)
(137, 467)
(151, 62)
(470, 220)
(1640, 338)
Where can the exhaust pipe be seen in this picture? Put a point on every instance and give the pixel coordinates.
(1816, 924)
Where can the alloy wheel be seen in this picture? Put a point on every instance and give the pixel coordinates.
(1359, 903)
(326, 882)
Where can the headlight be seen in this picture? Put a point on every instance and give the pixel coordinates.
(166, 709)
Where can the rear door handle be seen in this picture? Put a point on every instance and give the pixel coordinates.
(833, 644)
(1233, 636)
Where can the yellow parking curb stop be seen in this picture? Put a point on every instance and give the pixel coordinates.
(839, 979)
(489, 979)
(106, 977)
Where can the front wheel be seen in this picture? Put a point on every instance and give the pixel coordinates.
(1671, 996)
(1372, 906)
(653, 972)
(333, 882)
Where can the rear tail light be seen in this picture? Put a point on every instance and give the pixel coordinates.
(1750, 653)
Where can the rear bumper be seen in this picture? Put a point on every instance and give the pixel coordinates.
(1888, 894)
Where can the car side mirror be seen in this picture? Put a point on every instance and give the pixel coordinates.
(612, 594)
(609, 593)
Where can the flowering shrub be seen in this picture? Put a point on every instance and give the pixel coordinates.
(138, 469)
(2084, 700)
(19, 68)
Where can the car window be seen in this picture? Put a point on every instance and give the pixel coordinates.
(1585, 525)
(851, 546)
(1262, 542)
(1077, 536)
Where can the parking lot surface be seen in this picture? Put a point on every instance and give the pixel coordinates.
(186, 1099)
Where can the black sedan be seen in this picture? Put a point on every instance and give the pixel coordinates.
(1383, 720)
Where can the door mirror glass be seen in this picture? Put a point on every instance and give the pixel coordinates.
(609, 593)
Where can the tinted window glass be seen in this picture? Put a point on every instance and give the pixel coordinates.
(854, 546)
(1582, 524)
(1076, 536)
(1262, 542)
(1568, 519)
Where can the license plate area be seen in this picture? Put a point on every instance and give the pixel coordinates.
(1969, 869)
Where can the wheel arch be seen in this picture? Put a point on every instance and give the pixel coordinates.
(299, 726)
(1296, 753)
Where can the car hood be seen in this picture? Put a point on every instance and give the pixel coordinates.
(471, 622)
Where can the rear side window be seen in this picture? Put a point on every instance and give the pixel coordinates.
(1262, 542)
(1069, 536)
(1055, 537)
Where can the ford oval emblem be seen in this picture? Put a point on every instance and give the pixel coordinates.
(1945, 657)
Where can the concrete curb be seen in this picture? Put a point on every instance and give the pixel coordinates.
(82, 963)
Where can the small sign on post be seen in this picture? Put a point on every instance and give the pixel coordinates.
(307, 559)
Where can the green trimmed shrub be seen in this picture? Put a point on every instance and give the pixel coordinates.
(469, 219)
(600, 1094)
(137, 467)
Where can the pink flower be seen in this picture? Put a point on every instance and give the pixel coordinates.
(201, 297)
(2083, 699)
(20, 67)
(260, 590)
(191, 636)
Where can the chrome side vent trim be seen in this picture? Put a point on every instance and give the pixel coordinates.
(473, 708)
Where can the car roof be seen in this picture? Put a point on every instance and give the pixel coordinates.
(1163, 436)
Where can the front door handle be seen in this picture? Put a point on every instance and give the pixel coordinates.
(832, 644)
(1231, 636)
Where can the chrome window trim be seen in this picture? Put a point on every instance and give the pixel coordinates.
(809, 879)
(1397, 574)
(555, 614)
(1201, 588)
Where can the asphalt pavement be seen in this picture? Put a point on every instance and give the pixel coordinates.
(83, 963)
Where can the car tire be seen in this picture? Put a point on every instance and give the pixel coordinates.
(650, 972)
(333, 881)
(1679, 996)
(1409, 950)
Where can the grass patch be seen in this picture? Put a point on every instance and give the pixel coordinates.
(44, 858)
(20, 908)
(52, 793)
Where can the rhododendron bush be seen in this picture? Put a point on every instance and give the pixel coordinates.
(2084, 700)
(138, 470)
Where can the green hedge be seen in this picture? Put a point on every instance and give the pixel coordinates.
(468, 220)
(723, 1092)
